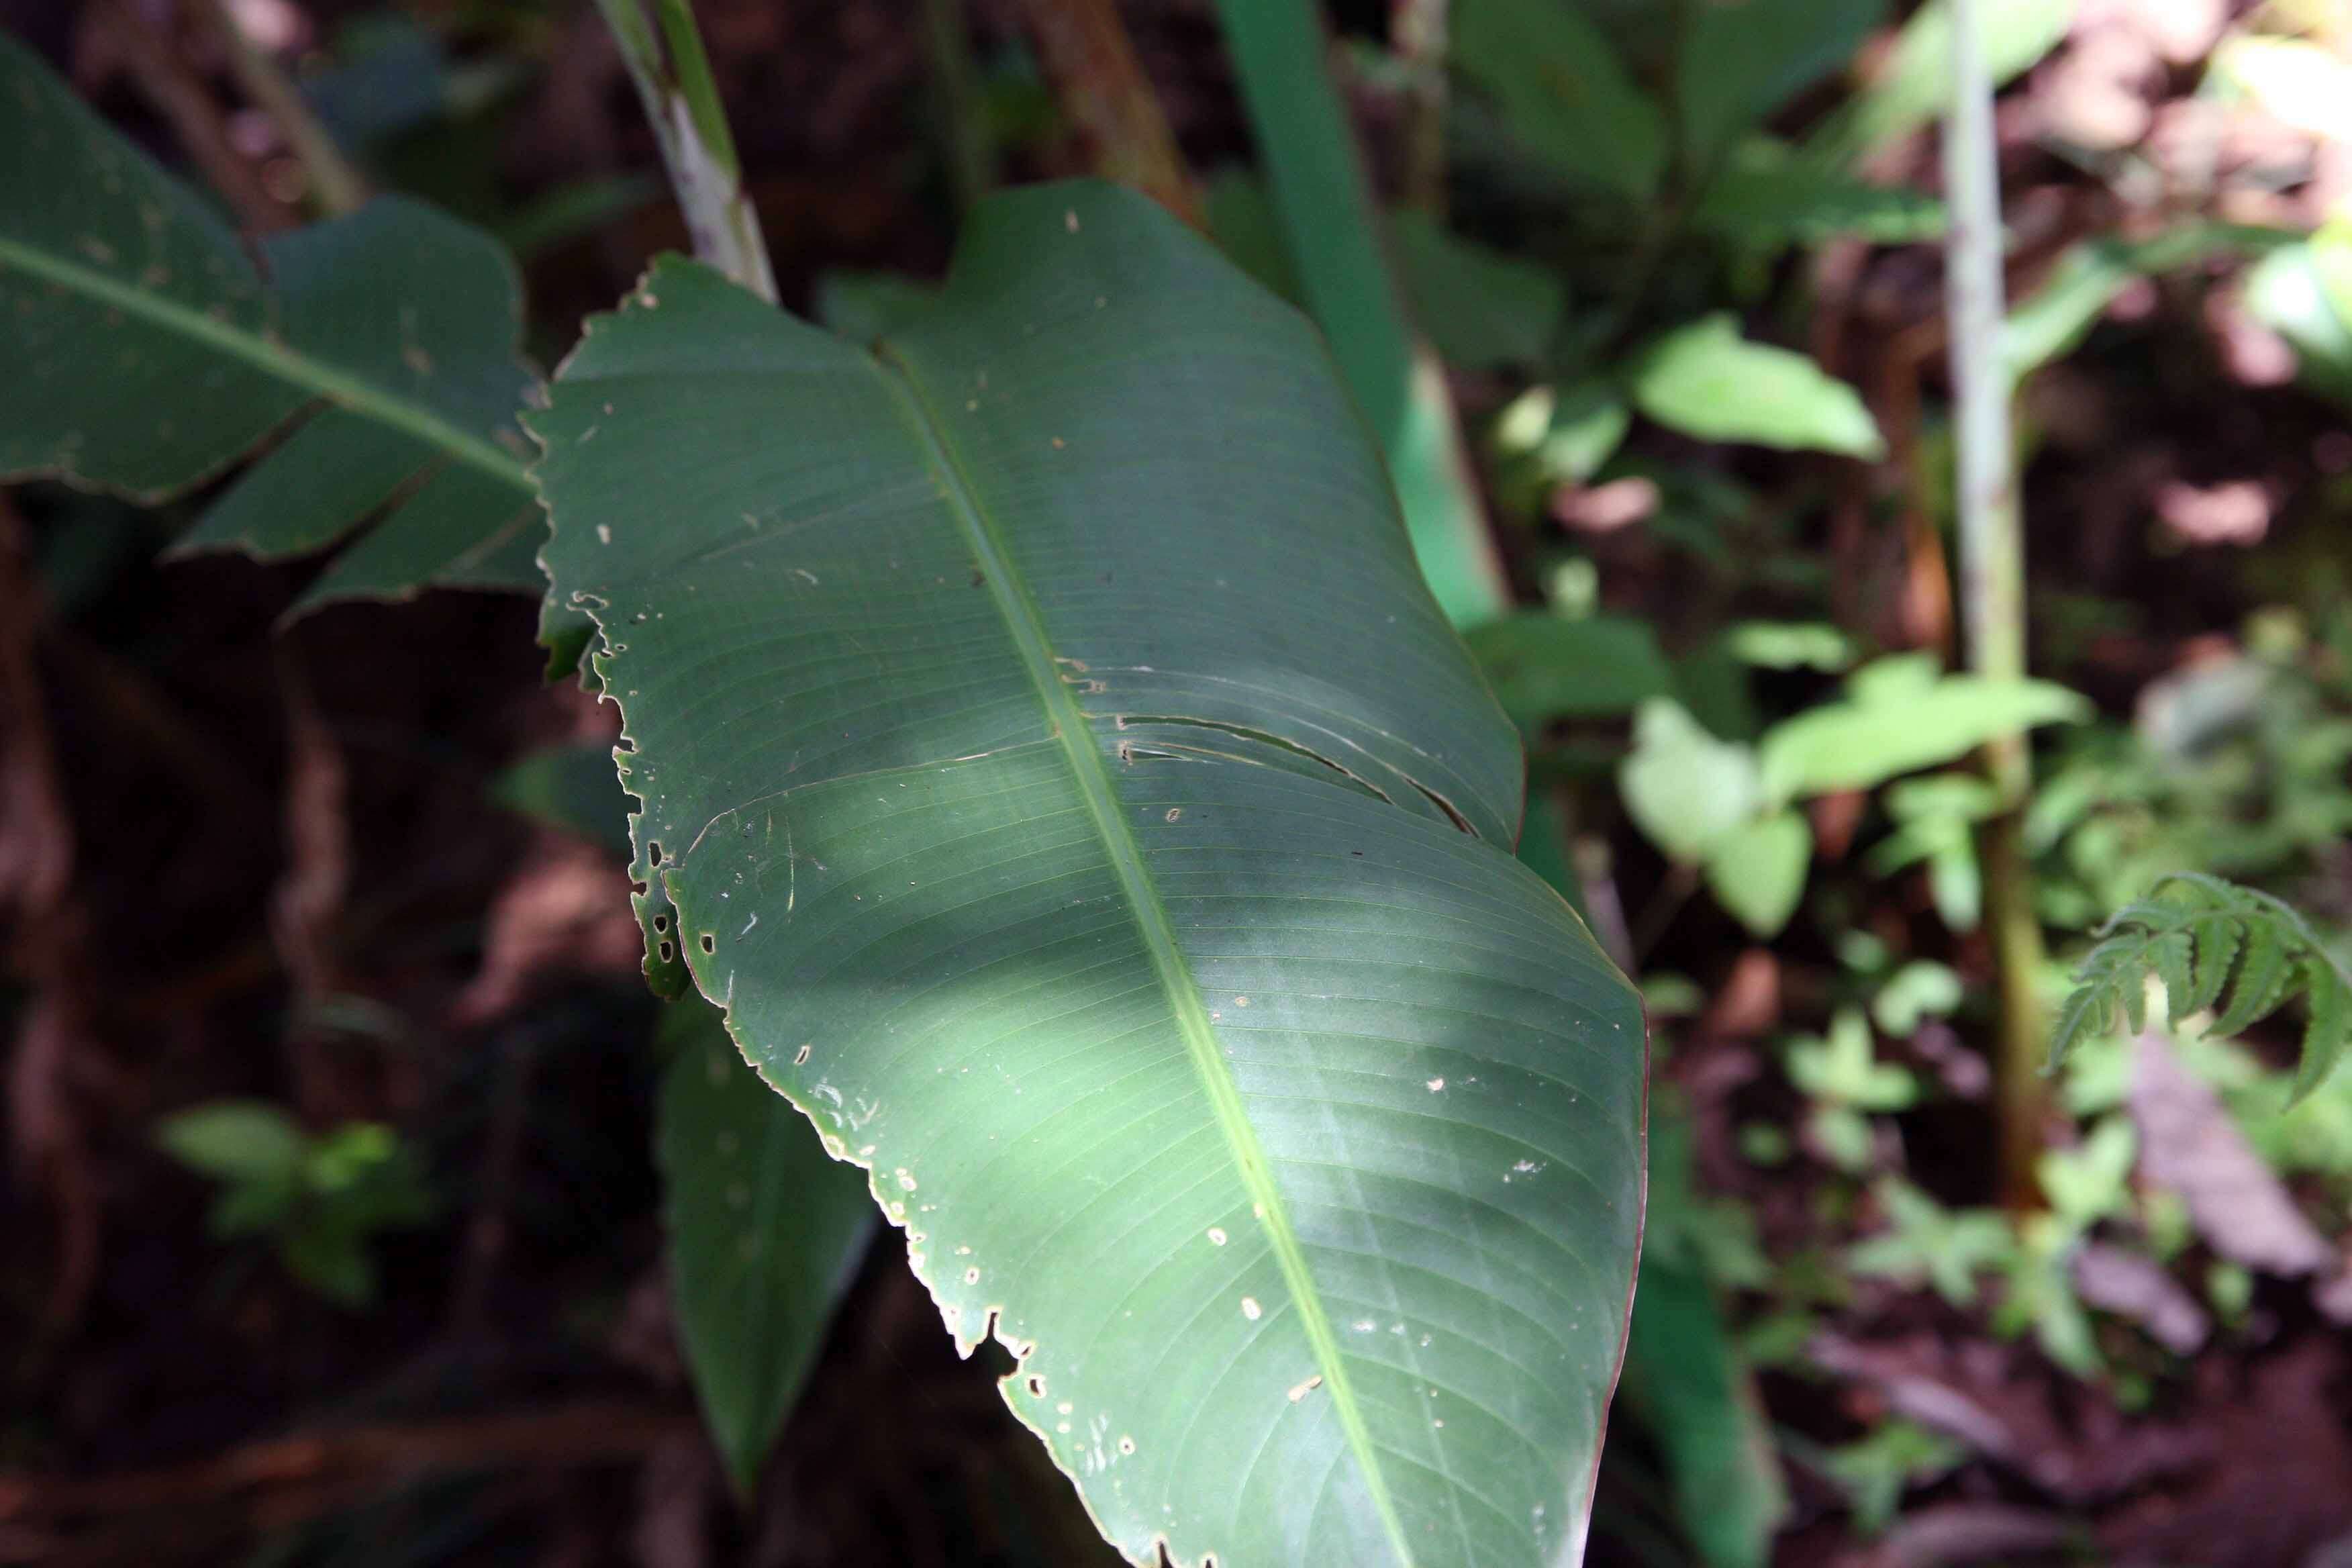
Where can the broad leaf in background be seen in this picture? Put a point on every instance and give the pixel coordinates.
(765, 1231)
(2051, 321)
(2304, 293)
(1758, 871)
(1915, 83)
(1900, 715)
(146, 355)
(1052, 759)
(1685, 1378)
(1552, 666)
(1769, 197)
(1563, 91)
(1685, 789)
(1481, 308)
(571, 788)
(1738, 62)
(1706, 379)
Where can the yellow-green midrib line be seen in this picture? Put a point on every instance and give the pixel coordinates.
(1070, 727)
(271, 357)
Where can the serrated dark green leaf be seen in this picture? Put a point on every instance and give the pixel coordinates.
(2089, 1009)
(2217, 938)
(1144, 925)
(2264, 972)
(2170, 956)
(2134, 997)
(2330, 1003)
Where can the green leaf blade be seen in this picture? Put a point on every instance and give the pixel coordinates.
(764, 1232)
(1707, 381)
(154, 354)
(1103, 893)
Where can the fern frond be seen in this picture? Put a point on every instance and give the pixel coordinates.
(2213, 944)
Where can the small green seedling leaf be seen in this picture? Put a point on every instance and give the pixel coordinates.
(1758, 871)
(1685, 789)
(1706, 379)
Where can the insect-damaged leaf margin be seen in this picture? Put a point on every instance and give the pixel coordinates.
(1224, 1065)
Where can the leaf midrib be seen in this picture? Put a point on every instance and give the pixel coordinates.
(272, 358)
(1075, 732)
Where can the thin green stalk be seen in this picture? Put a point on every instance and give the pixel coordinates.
(965, 145)
(337, 187)
(672, 73)
(1331, 226)
(1992, 578)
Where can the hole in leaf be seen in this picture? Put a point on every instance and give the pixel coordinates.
(710, 943)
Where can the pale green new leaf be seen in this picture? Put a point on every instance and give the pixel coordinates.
(1757, 871)
(147, 354)
(1706, 379)
(1890, 724)
(1052, 759)
(2298, 292)
(765, 1230)
(1685, 789)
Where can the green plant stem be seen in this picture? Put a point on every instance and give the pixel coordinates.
(337, 186)
(672, 73)
(1331, 227)
(966, 146)
(1992, 580)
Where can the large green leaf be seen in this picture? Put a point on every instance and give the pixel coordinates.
(1740, 61)
(147, 354)
(1052, 759)
(764, 1233)
(1564, 92)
